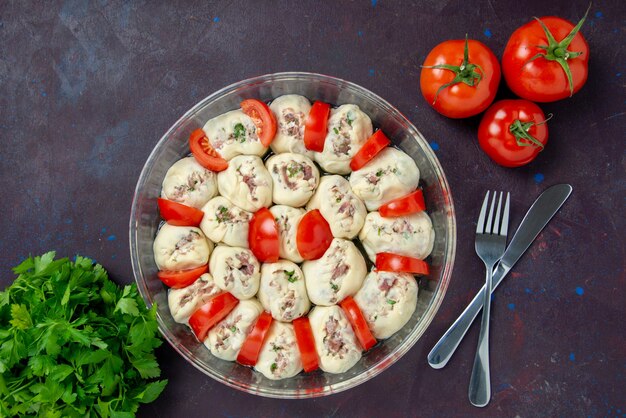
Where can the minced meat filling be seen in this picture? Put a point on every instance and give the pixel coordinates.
(333, 340)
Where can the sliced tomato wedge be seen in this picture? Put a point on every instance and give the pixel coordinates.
(306, 344)
(178, 214)
(263, 236)
(405, 205)
(401, 263)
(375, 144)
(315, 126)
(263, 119)
(249, 353)
(181, 278)
(313, 236)
(204, 153)
(211, 313)
(358, 322)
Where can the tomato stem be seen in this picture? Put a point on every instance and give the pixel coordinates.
(557, 51)
(464, 73)
(520, 130)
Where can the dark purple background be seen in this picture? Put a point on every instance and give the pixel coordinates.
(87, 89)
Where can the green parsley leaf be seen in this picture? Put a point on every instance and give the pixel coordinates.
(25, 266)
(334, 287)
(336, 131)
(122, 414)
(239, 132)
(60, 372)
(43, 262)
(21, 317)
(379, 172)
(128, 306)
(41, 365)
(4, 299)
(147, 367)
(391, 302)
(294, 169)
(291, 277)
(141, 331)
(273, 367)
(72, 343)
(152, 391)
(349, 119)
(222, 214)
(92, 357)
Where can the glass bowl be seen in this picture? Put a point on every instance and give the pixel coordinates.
(145, 220)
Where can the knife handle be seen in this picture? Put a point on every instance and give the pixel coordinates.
(448, 343)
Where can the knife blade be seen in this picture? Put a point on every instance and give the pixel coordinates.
(537, 217)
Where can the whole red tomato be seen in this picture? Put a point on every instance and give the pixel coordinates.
(513, 132)
(460, 78)
(546, 59)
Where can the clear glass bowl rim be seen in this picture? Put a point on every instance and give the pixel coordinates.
(399, 351)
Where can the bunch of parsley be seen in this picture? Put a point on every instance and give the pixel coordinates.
(74, 344)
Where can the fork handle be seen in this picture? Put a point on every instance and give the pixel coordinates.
(480, 381)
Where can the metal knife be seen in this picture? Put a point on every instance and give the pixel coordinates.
(537, 217)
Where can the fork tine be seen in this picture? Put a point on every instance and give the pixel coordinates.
(504, 229)
(480, 226)
(496, 220)
(490, 217)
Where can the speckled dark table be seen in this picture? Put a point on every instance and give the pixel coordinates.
(87, 88)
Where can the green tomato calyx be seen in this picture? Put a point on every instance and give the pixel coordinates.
(466, 73)
(523, 138)
(557, 51)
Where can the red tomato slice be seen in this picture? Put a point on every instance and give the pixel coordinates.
(313, 236)
(178, 214)
(405, 205)
(315, 126)
(358, 322)
(263, 236)
(211, 313)
(263, 119)
(375, 144)
(249, 353)
(181, 278)
(204, 153)
(306, 343)
(401, 263)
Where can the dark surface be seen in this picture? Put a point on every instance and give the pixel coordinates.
(86, 90)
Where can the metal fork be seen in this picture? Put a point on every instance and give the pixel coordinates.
(490, 245)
